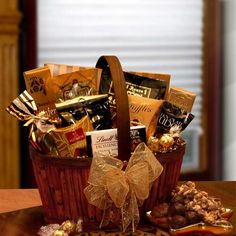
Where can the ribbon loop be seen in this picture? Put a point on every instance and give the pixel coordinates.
(139, 183)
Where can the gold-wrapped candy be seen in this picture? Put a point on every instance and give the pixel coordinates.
(60, 232)
(69, 226)
(166, 142)
(153, 143)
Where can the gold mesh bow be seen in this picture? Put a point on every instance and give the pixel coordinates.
(114, 190)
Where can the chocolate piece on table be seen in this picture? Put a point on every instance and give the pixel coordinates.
(178, 221)
(69, 226)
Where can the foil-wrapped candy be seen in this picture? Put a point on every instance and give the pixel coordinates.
(60, 232)
(166, 142)
(69, 226)
(153, 144)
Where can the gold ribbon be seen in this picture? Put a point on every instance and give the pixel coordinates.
(41, 116)
(116, 191)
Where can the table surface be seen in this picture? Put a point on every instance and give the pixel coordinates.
(15, 199)
(20, 207)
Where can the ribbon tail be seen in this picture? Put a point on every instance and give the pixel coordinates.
(111, 214)
(135, 212)
(104, 220)
(130, 213)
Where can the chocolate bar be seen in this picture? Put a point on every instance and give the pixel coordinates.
(105, 141)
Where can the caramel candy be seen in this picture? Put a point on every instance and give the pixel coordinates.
(181, 98)
(68, 226)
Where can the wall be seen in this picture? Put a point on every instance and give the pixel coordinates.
(229, 89)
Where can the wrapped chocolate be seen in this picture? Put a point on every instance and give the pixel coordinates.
(60, 232)
(153, 144)
(144, 111)
(171, 115)
(106, 141)
(96, 107)
(42, 141)
(167, 142)
(69, 226)
(24, 108)
(70, 141)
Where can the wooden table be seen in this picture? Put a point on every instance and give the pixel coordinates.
(21, 212)
(16, 199)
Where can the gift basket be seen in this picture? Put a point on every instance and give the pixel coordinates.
(110, 161)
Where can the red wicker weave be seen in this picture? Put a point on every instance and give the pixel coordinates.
(61, 180)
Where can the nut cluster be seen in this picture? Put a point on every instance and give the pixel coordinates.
(208, 209)
(187, 206)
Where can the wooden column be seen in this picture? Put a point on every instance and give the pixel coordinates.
(9, 89)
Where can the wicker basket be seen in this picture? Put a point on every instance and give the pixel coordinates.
(61, 181)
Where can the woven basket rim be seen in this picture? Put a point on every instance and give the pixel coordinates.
(58, 160)
(86, 161)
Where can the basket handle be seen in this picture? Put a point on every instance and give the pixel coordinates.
(122, 108)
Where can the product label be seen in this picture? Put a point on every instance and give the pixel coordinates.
(106, 141)
(171, 115)
(75, 136)
(168, 121)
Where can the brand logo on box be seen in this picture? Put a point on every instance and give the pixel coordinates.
(75, 136)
